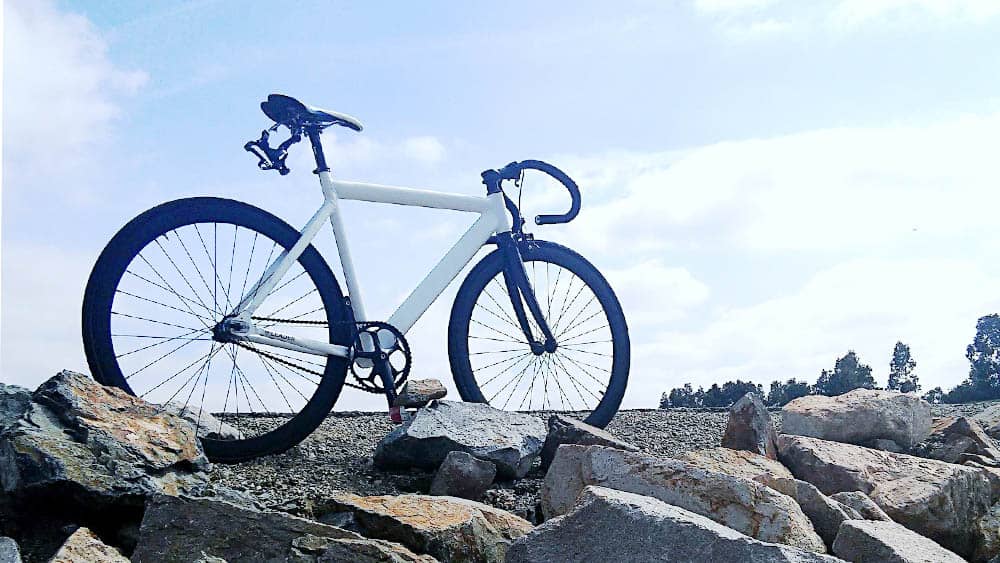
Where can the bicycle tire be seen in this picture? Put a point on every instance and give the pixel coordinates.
(128, 243)
(491, 268)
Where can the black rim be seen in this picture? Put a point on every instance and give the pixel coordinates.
(511, 376)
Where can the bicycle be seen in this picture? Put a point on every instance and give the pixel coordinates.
(533, 322)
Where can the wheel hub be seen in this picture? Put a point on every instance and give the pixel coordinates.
(229, 330)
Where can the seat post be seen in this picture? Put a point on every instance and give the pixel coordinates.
(317, 148)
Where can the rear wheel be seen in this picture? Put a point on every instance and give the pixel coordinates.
(168, 278)
(492, 362)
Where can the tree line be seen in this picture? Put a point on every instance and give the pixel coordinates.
(982, 383)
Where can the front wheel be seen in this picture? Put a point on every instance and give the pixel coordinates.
(492, 362)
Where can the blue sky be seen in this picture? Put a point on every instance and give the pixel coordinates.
(767, 184)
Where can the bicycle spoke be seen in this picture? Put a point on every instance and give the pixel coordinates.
(181, 297)
(187, 312)
(163, 340)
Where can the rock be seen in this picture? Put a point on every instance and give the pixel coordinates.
(750, 427)
(9, 553)
(510, 440)
(84, 547)
(885, 445)
(418, 392)
(738, 463)
(184, 529)
(450, 529)
(825, 513)
(744, 505)
(861, 504)
(988, 545)
(356, 551)
(951, 439)
(939, 500)
(208, 425)
(567, 430)
(868, 541)
(14, 402)
(989, 420)
(462, 475)
(612, 525)
(99, 443)
(859, 416)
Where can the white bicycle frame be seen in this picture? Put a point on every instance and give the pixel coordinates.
(493, 219)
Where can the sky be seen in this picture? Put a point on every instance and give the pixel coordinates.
(767, 184)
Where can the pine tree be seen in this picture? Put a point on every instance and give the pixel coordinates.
(848, 373)
(901, 376)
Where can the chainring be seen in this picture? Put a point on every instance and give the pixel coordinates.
(363, 362)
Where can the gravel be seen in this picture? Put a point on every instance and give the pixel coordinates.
(337, 457)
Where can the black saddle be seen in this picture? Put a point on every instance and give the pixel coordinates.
(292, 113)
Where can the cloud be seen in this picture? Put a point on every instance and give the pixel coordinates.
(426, 150)
(652, 293)
(61, 91)
(755, 19)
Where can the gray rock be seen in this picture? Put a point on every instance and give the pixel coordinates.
(208, 425)
(418, 392)
(952, 439)
(9, 553)
(825, 513)
(84, 547)
(750, 428)
(988, 545)
(176, 529)
(462, 475)
(14, 402)
(744, 505)
(93, 446)
(886, 445)
(861, 504)
(450, 529)
(612, 525)
(868, 541)
(989, 420)
(567, 430)
(859, 417)
(335, 550)
(510, 440)
(939, 500)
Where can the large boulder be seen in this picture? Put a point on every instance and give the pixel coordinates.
(450, 529)
(354, 550)
(84, 443)
(862, 504)
(568, 430)
(750, 428)
(510, 440)
(185, 529)
(989, 419)
(825, 513)
(84, 547)
(952, 439)
(464, 476)
(868, 541)
(14, 402)
(939, 500)
(738, 463)
(860, 417)
(744, 505)
(418, 392)
(612, 525)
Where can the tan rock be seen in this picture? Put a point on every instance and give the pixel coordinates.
(939, 500)
(418, 392)
(448, 528)
(744, 505)
(84, 547)
(859, 417)
(738, 463)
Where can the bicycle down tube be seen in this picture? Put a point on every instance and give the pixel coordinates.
(492, 219)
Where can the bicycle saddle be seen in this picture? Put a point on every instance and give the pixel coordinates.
(288, 111)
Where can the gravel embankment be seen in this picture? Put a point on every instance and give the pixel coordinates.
(337, 456)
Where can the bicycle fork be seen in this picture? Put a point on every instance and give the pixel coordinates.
(521, 293)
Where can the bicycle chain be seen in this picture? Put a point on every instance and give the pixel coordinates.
(291, 364)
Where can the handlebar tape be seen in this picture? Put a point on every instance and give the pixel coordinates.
(513, 171)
